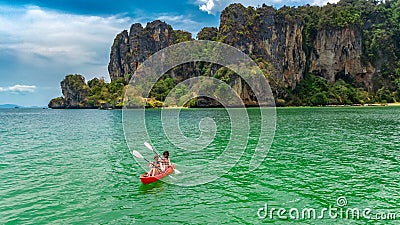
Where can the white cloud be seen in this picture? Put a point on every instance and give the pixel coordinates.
(207, 6)
(39, 36)
(324, 2)
(19, 88)
(43, 37)
(214, 6)
(170, 18)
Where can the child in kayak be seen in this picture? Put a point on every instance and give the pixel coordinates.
(155, 167)
(165, 161)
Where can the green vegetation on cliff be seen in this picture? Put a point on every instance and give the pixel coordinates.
(379, 22)
(101, 93)
(315, 90)
(95, 94)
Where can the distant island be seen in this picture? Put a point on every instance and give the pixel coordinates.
(14, 106)
(9, 106)
(339, 54)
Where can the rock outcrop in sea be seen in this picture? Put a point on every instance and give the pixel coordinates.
(75, 92)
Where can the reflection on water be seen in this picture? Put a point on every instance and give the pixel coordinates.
(152, 188)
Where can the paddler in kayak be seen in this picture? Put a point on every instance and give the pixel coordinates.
(155, 167)
(165, 163)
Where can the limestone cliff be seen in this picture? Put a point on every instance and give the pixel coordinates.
(353, 43)
(275, 40)
(129, 50)
(75, 92)
(337, 54)
(353, 40)
(264, 34)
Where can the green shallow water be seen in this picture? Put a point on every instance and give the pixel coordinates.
(74, 166)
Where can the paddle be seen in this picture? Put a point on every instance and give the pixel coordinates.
(151, 148)
(138, 155)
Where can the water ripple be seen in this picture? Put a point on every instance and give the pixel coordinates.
(73, 166)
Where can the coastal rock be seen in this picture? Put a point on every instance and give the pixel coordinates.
(262, 33)
(119, 65)
(337, 55)
(130, 50)
(208, 33)
(75, 92)
(57, 103)
(288, 44)
(349, 44)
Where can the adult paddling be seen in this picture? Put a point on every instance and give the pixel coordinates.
(165, 163)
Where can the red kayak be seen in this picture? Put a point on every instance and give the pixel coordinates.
(150, 179)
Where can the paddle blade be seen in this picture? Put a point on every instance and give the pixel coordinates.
(148, 146)
(177, 171)
(137, 154)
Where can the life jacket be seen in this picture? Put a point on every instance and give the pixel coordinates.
(165, 162)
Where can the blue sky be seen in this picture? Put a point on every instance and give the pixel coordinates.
(41, 41)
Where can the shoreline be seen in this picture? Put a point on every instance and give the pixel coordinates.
(396, 104)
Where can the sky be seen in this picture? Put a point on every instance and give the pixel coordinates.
(41, 41)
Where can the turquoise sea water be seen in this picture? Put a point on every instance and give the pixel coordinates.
(74, 166)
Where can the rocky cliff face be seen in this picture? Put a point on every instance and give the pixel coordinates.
(337, 54)
(57, 103)
(262, 33)
(354, 40)
(129, 50)
(75, 92)
(276, 39)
